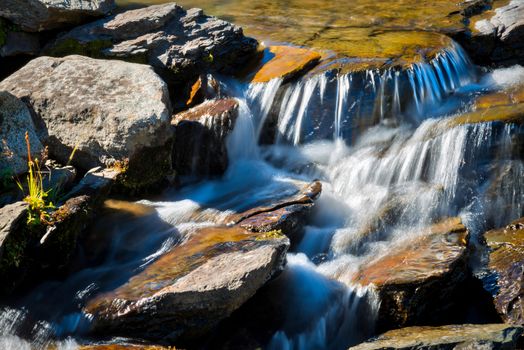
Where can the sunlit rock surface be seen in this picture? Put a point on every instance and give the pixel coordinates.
(504, 277)
(504, 106)
(284, 62)
(469, 336)
(187, 291)
(110, 111)
(200, 137)
(419, 274)
(38, 15)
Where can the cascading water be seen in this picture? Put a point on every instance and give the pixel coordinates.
(333, 105)
(388, 167)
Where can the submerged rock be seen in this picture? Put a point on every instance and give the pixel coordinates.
(284, 62)
(419, 275)
(38, 15)
(200, 137)
(187, 291)
(468, 336)
(503, 277)
(179, 44)
(113, 112)
(15, 120)
(497, 36)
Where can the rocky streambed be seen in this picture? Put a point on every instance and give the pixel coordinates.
(351, 177)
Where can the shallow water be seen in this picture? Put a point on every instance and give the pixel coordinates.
(354, 28)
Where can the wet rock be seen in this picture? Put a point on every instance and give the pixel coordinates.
(200, 137)
(113, 112)
(180, 44)
(38, 15)
(503, 277)
(187, 291)
(468, 336)
(15, 120)
(287, 215)
(498, 35)
(418, 276)
(504, 106)
(284, 62)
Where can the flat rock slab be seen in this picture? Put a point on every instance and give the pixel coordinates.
(284, 62)
(418, 274)
(39, 15)
(200, 137)
(504, 278)
(15, 120)
(111, 111)
(180, 44)
(190, 289)
(468, 336)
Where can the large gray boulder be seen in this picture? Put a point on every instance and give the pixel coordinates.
(115, 113)
(15, 120)
(39, 15)
(180, 44)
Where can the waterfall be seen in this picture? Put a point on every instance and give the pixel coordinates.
(304, 111)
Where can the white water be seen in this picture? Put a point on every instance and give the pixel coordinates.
(375, 150)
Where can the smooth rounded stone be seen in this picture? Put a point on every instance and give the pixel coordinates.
(115, 113)
(180, 44)
(457, 337)
(418, 275)
(200, 137)
(187, 291)
(39, 15)
(15, 120)
(498, 35)
(284, 62)
(503, 274)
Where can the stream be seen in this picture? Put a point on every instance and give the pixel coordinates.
(375, 140)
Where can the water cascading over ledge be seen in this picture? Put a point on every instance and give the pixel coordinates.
(334, 101)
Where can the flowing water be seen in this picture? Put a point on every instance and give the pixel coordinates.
(382, 144)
